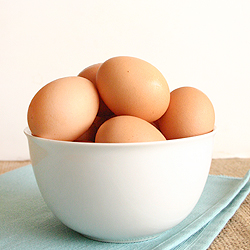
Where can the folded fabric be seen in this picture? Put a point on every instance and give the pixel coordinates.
(27, 223)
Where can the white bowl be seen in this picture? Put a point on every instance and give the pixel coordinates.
(121, 192)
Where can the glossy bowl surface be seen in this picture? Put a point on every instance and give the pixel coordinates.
(121, 192)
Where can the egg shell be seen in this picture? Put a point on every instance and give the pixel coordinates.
(125, 129)
(90, 74)
(63, 109)
(190, 113)
(131, 86)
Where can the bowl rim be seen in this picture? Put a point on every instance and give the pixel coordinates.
(28, 133)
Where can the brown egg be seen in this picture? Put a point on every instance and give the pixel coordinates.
(63, 109)
(120, 129)
(90, 74)
(131, 86)
(190, 113)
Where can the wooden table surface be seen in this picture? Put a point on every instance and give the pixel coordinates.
(236, 233)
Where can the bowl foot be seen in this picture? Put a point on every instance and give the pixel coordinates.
(122, 241)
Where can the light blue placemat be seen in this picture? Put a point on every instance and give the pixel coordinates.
(27, 223)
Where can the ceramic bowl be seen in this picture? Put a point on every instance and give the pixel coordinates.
(121, 192)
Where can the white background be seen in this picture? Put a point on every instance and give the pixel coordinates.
(204, 44)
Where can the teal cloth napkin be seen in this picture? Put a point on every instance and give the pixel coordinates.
(27, 223)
